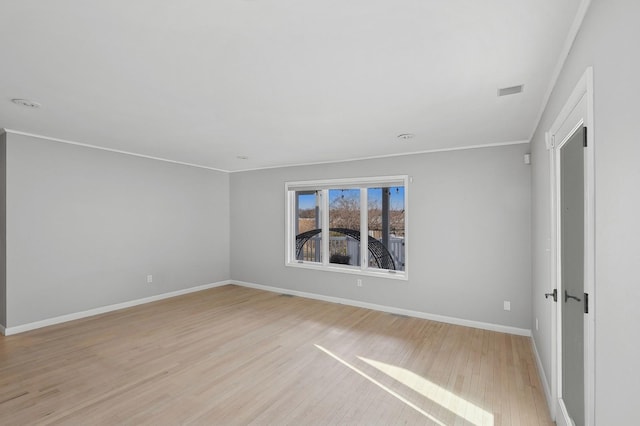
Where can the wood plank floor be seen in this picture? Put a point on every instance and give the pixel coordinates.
(232, 355)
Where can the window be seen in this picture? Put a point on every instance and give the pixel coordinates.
(349, 225)
(344, 226)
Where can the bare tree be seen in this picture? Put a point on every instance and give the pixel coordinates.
(344, 212)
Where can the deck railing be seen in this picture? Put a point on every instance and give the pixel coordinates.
(349, 247)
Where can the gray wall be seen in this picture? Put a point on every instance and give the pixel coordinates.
(469, 224)
(3, 233)
(85, 227)
(608, 41)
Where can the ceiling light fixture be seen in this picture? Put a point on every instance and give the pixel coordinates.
(406, 136)
(26, 103)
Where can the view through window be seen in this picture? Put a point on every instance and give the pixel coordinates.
(358, 225)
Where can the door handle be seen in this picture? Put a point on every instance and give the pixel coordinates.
(554, 295)
(567, 296)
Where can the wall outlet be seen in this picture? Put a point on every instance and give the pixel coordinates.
(359, 282)
(507, 305)
(149, 279)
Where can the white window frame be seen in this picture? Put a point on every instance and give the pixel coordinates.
(323, 187)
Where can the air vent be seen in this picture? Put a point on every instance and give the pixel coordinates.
(505, 91)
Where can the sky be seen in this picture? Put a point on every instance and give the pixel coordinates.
(374, 194)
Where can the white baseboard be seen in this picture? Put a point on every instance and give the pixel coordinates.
(543, 377)
(392, 310)
(7, 331)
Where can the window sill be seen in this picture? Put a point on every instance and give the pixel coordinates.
(393, 275)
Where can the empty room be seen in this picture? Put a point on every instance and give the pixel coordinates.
(291, 212)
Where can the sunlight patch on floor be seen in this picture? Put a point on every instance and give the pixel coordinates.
(383, 387)
(457, 405)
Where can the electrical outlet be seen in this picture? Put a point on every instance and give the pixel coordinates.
(359, 282)
(507, 305)
(149, 279)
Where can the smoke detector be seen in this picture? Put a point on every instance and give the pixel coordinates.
(406, 136)
(26, 103)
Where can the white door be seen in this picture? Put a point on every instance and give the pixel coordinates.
(571, 299)
(572, 179)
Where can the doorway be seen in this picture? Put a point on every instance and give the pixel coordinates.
(570, 141)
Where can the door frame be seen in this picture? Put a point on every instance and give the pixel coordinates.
(577, 111)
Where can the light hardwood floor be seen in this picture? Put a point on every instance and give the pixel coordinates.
(233, 355)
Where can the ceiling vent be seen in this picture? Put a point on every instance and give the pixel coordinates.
(505, 91)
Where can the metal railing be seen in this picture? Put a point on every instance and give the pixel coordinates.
(346, 246)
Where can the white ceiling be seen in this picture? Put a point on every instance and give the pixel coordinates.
(280, 81)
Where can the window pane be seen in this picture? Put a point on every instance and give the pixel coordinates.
(385, 216)
(344, 226)
(308, 228)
